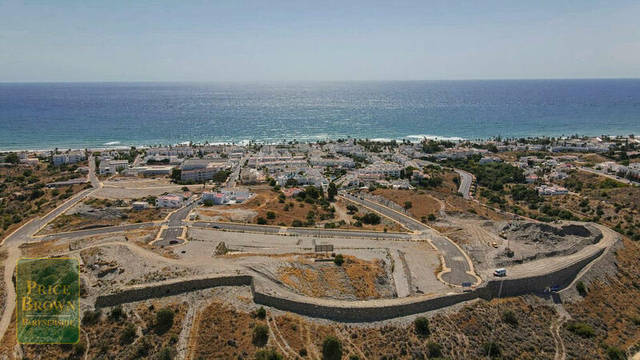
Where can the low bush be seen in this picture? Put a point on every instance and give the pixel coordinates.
(581, 288)
(331, 349)
(261, 313)
(164, 320)
(260, 335)
(581, 329)
(91, 317)
(338, 260)
(509, 317)
(421, 325)
(491, 349)
(128, 334)
(268, 354)
(434, 350)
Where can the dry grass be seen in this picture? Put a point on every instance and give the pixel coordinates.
(75, 222)
(104, 337)
(44, 248)
(613, 307)
(422, 204)
(355, 278)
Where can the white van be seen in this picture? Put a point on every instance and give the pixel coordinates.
(500, 272)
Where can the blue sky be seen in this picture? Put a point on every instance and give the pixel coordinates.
(317, 40)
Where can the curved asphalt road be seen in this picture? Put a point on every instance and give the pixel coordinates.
(455, 259)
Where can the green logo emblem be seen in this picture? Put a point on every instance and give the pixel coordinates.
(48, 292)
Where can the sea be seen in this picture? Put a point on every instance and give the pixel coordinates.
(102, 115)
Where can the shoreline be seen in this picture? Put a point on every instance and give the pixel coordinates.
(246, 142)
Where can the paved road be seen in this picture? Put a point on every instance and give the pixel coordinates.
(455, 259)
(465, 183)
(171, 235)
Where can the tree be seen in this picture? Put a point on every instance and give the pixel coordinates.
(271, 215)
(11, 158)
(338, 260)
(262, 221)
(260, 335)
(331, 349)
(371, 219)
(332, 191)
(421, 325)
(176, 175)
(352, 209)
(164, 320)
(408, 205)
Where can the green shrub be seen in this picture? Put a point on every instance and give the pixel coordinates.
(491, 349)
(268, 354)
(260, 335)
(331, 349)
(271, 215)
(128, 334)
(509, 317)
(262, 221)
(431, 217)
(434, 350)
(297, 223)
(79, 348)
(582, 289)
(208, 203)
(117, 313)
(581, 329)
(338, 260)
(261, 313)
(166, 353)
(370, 218)
(91, 317)
(421, 325)
(615, 353)
(164, 320)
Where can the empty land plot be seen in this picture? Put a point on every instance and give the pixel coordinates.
(354, 279)
(418, 203)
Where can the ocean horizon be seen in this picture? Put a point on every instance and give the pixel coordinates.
(117, 114)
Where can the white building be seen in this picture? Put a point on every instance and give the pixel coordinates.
(110, 167)
(551, 190)
(170, 201)
(70, 157)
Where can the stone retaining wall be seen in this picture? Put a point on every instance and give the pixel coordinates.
(357, 311)
(140, 293)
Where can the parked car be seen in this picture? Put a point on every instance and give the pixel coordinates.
(500, 272)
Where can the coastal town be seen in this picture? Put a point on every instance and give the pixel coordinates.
(269, 244)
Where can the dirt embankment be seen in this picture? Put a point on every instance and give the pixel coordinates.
(225, 332)
(95, 213)
(527, 241)
(354, 279)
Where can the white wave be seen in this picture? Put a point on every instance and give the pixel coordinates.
(433, 137)
(112, 143)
